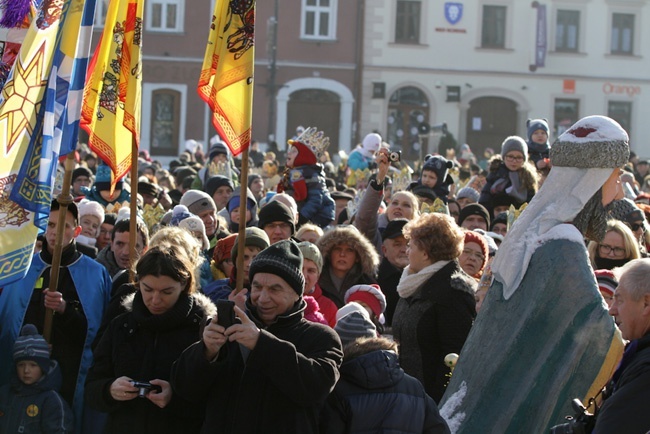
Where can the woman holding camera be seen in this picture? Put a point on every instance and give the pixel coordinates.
(129, 379)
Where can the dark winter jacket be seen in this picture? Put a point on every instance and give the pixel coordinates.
(35, 408)
(497, 181)
(143, 347)
(626, 403)
(538, 151)
(280, 386)
(374, 395)
(389, 276)
(434, 322)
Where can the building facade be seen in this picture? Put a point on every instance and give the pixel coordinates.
(484, 67)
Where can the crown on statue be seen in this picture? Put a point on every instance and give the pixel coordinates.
(314, 140)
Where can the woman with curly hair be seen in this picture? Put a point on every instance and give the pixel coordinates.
(436, 307)
(510, 174)
(348, 259)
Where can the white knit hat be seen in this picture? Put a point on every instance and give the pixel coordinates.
(90, 207)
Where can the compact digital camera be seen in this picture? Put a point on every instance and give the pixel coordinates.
(144, 387)
(394, 156)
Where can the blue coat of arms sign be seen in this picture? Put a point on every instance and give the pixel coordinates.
(453, 12)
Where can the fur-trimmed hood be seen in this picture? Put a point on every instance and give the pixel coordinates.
(369, 258)
(200, 300)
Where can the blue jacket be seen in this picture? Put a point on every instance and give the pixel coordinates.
(35, 408)
(356, 160)
(375, 395)
(93, 285)
(318, 207)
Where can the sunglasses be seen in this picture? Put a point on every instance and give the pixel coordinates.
(636, 226)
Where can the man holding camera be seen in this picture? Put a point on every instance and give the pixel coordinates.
(270, 371)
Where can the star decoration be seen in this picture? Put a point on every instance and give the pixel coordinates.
(22, 98)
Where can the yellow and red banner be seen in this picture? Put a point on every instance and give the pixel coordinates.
(226, 81)
(111, 109)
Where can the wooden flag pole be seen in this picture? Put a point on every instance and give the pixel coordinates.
(64, 199)
(241, 241)
(133, 228)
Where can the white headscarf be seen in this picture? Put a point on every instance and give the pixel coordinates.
(563, 195)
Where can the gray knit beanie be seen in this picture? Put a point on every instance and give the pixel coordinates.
(355, 325)
(592, 142)
(282, 259)
(254, 237)
(311, 252)
(31, 346)
(514, 143)
(197, 201)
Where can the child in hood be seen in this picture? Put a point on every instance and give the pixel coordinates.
(435, 176)
(305, 179)
(538, 145)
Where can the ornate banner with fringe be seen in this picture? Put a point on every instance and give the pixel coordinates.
(38, 113)
(226, 81)
(111, 106)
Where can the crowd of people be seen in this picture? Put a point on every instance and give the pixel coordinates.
(360, 278)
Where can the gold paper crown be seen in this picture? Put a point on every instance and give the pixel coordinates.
(314, 140)
(152, 215)
(438, 206)
(514, 213)
(401, 180)
(357, 175)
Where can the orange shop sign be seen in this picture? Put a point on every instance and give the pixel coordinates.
(621, 89)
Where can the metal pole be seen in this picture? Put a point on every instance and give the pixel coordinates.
(273, 49)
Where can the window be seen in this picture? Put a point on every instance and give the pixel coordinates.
(567, 31)
(164, 15)
(621, 112)
(318, 20)
(566, 114)
(493, 33)
(407, 23)
(165, 118)
(622, 34)
(408, 107)
(101, 9)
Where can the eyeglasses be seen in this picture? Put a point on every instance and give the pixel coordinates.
(605, 249)
(513, 158)
(476, 255)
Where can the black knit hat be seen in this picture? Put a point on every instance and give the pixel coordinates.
(502, 217)
(276, 211)
(216, 181)
(217, 149)
(439, 165)
(626, 211)
(81, 171)
(282, 259)
(474, 209)
(31, 346)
